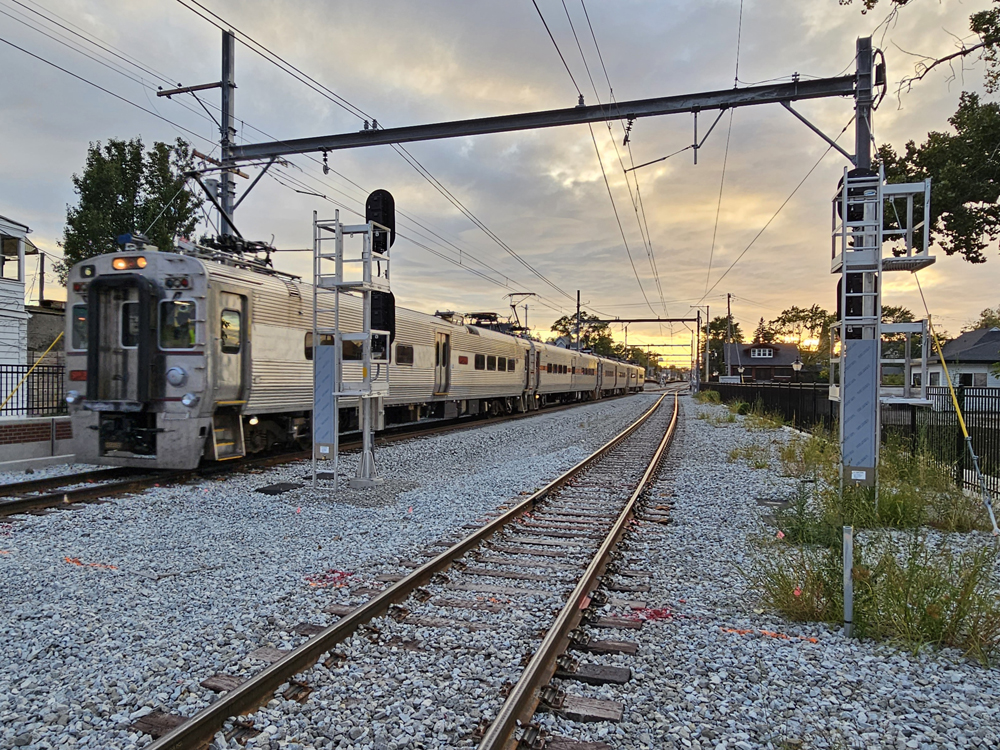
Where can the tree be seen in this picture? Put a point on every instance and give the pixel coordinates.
(800, 323)
(717, 331)
(763, 334)
(123, 189)
(988, 318)
(594, 335)
(965, 218)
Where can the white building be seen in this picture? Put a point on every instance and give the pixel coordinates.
(972, 360)
(14, 245)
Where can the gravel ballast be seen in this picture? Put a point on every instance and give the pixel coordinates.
(113, 610)
(718, 672)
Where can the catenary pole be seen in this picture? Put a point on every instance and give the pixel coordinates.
(228, 125)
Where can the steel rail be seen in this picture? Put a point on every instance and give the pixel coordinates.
(24, 503)
(524, 696)
(258, 690)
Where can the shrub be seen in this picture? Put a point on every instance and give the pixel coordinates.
(708, 397)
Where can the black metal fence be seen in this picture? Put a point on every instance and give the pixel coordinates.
(933, 430)
(805, 405)
(42, 394)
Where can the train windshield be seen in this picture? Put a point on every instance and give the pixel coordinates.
(177, 324)
(79, 332)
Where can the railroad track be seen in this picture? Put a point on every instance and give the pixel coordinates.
(98, 485)
(561, 540)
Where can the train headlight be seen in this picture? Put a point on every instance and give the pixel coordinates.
(190, 399)
(177, 377)
(253, 420)
(72, 397)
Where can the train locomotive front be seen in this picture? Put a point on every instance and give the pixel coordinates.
(140, 357)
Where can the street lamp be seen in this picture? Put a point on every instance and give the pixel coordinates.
(797, 367)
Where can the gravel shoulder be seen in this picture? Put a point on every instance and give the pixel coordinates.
(115, 609)
(718, 672)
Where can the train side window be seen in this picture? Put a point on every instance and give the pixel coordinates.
(230, 331)
(79, 333)
(491, 362)
(404, 354)
(480, 361)
(177, 324)
(548, 367)
(502, 364)
(352, 351)
(510, 364)
(325, 339)
(130, 325)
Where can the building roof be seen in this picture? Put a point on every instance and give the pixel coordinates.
(784, 355)
(982, 345)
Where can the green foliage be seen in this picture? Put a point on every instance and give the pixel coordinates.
(764, 334)
(718, 330)
(965, 218)
(988, 318)
(758, 456)
(123, 189)
(906, 589)
(708, 397)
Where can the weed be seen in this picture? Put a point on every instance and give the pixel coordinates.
(758, 456)
(708, 397)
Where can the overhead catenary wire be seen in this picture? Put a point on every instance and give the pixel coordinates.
(325, 91)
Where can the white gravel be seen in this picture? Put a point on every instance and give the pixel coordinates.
(115, 609)
(42, 472)
(698, 684)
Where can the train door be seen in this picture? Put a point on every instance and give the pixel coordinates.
(442, 363)
(600, 376)
(230, 348)
(531, 369)
(119, 360)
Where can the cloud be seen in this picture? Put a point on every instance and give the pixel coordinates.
(542, 192)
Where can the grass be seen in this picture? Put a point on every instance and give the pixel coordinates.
(910, 585)
(758, 456)
(708, 397)
(909, 590)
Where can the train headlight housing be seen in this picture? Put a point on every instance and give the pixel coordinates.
(124, 264)
(177, 377)
(190, 399)
(72, 397)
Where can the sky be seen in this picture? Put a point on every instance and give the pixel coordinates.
(542, 194)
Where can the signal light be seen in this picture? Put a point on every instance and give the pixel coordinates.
(381, 208)
(87, 271)
(124, 264)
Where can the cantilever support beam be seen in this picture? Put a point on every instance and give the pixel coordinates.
(850, 157)
(668, 105)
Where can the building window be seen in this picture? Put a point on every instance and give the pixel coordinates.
(230, 331)
(933, 378)
(762, 352)
(404, 354)
(979, 379)
(480, 361)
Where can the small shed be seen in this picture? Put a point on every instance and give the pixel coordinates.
(14, 246)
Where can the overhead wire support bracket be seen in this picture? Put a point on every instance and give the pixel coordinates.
(833, 144)
(255, 181)
(189, 89)
(698, 144)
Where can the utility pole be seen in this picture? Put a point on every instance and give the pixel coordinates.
(708, 328)
(578, 320)
(41, 277)
(526, 316)
(228, 126)
(729, 330)
(696, 365)
(863, 106)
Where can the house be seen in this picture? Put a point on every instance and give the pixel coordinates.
(14, 245)
(971, 359)
(763, 362)
(47, 320)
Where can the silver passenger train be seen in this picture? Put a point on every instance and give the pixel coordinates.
(176, 357)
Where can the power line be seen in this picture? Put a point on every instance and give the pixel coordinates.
(558, 51)
(775, 215)
(106, 91)
(325, 91)
(718, 206)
